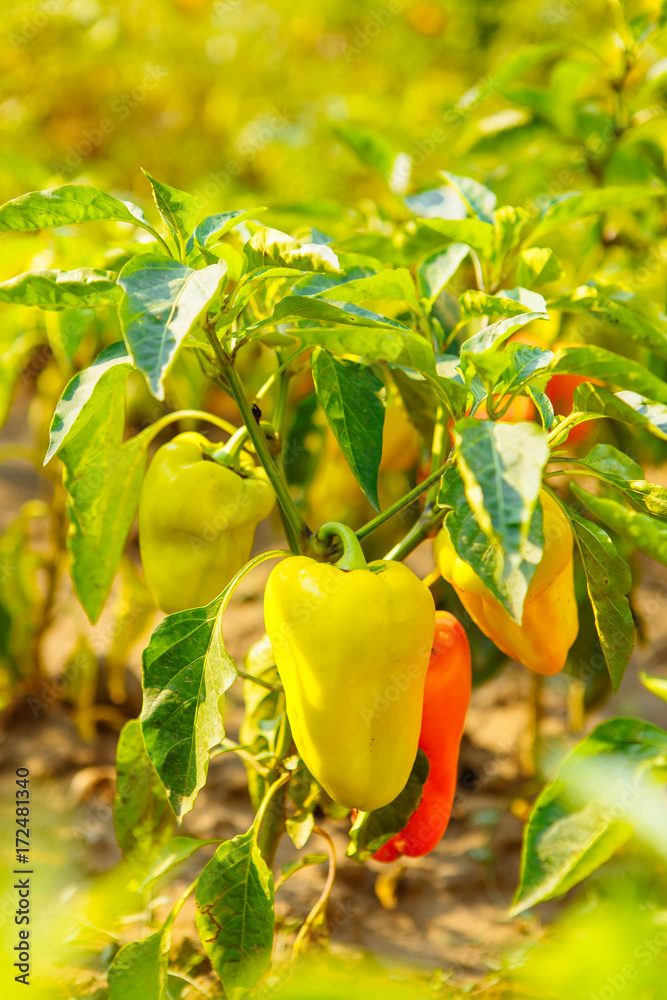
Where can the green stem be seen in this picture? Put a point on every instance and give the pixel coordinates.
(257, 680)
(437, 450)
(353, 556)
(296, 529)
(267, 835)
(170, 418)
(415, 536)
(229, 453)
(405, 501)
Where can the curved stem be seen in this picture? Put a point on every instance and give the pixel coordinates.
(321, 903)
(405, 501)
(258, 680)
(416, 535)
(353, 556)
(170, 418)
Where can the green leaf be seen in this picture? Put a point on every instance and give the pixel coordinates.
(437, 203)
(316, 308)
(372, 148)
(508, 304)
(142, 818)
(544, 406)
(477, 235)
(178, 209)
(235, 912)
(139, 970)
(501, 466)
(210, 230)
(163, 301)
(576, 824)
(606, 458)
(401, 347)
(174, 852)
(372, 830)
(494, 335)
(615, 311)
(439, 268)
(626, 407)
(479, 199)
(607, 366)
(186, 672)
(577, 205)
(508, 224)
(636, 528)
(348, 394)
(103, 479)
(49, 289)
(271, 248)
(308, 860)
(538, 266)
(486, 559)
(391, 283)
(86, 392)
(63, 206)
(656, 685)
(608, 580)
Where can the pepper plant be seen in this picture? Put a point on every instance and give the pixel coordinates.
(444, 314)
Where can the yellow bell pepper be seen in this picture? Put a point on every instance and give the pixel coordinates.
(197, 519)
(550, 621)
(352, 643)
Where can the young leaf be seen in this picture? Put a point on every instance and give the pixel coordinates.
(86, 392)
(185, 675)
(142, 818)
(501, 467)
(63, 206)
(575, 825)
(178, 209)
(49, 289)
(163, 300)
(577, 205)
(479, 199)
(538, 266)
(608, 581)
(348, 394)
(211, 229)
(439, 268)
(235, 912)
(271, 248)
(508, 224)
(372, 830)
(646, 533)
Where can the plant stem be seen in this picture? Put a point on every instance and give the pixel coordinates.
(405, 501)
(269, 829)
(417, 533)
(258, 680)
(296, 529)
(320, 905)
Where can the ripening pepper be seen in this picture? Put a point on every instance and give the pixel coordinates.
(446, 700)
(352, 642)
(197, 519)
(550, 623)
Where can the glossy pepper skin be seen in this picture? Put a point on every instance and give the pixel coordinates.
(446, 700)
(197, 520)
(550, 621)
(352, 647)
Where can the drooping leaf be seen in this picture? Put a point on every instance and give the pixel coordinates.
(174, 852)
(330, 311)
(49, 289)
(271, 248)
(480, 200)
(163, 300)
(401, 347)
(615, 310)
(501, 466)
(608, 581)
(185, 676)
(63, 206)
(576, 823)
(348, 394)
(627, 407)
(235, 912)
(646, 533)
(599, 363)
(371, 830)
(143, 820)
(86, 392)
